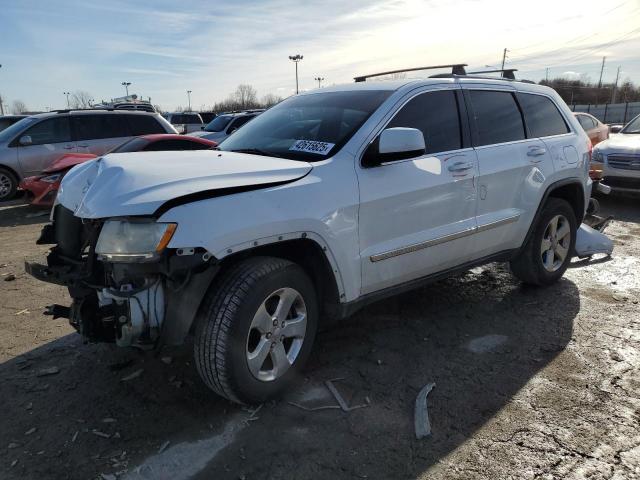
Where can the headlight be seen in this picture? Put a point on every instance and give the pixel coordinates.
(133, 241)
(597, 156)
(51, 178)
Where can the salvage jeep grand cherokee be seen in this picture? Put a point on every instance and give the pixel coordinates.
(326, 202)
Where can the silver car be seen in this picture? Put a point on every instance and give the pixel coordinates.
(32, 144)
(185, 122)
(224, 125)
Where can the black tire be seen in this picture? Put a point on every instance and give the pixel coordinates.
(528, 265)
(8, 184)
(224, 323)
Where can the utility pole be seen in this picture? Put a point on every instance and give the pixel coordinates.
(546, 76)
(601, 71)
(504, 57)
(319, 80)
(67, 94)
(296, 58)
(189, 97)
(126, 87)
(615, 87)
(1, 107)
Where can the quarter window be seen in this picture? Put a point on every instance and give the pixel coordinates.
(53, 130)
(497, 117)
(94, 127)
(144, 124)
(436, 115)
(542, 116)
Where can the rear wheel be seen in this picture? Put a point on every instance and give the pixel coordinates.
(547, 254)
(256, 329)
(8, 184)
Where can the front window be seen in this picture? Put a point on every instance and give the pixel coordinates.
(10, 132)
(308, 127)
(219, 123)
(633, 126)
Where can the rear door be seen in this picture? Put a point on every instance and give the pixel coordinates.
(100, 133)
(50, 139)
(417, 215)
(512, 167)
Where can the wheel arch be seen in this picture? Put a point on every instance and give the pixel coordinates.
(569, 189)
(307, 250)
(12, 171)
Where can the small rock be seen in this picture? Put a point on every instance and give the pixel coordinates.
(48, 371)
(30, 431)
(13, 445)
(29, 406)
(133, 375)
(10, 277)
(379, 362)
(13, 464)
(616, 357)
(109, 420)
(163, 447)
(107, 476)
(41, 452)
(167, 360)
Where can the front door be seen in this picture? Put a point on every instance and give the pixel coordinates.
(417, 216)
(50, 139)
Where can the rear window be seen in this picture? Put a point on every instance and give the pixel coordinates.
(94, 127)
(144, 124)
(185, 119)
(542, 117)
(497, 117)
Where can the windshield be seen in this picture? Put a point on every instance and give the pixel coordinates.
(9, 133)
(218, 124)
(308, 127)
(633, 126)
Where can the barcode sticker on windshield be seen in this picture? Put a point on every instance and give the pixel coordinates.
(311, 146)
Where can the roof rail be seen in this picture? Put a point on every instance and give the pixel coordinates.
(506, 72)
(456, 69)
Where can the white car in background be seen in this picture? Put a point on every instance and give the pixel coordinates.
(185, 122)
(619, 158)
(225, 124)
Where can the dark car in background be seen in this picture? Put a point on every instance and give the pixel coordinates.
(225, 124)
(8, 120)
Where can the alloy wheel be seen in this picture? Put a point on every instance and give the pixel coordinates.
(556, 242)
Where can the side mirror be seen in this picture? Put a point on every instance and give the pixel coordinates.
(615, 128)
(202, 127)
(233, 130)
(26, 140)
(397, 143)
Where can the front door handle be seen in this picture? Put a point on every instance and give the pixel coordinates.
(460, 166)
(69, 147)
(536, 151)
(83, 146)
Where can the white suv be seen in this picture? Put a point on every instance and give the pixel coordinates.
(326, 202)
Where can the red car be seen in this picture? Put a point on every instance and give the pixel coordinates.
(44, 187)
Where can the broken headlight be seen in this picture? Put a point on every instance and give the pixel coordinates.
(133, 241)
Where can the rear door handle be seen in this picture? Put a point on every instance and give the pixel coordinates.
(83, 146)
(460, 166)
(69, 147)
(536, 151)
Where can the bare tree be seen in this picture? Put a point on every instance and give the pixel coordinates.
(81, 99)
(246, 96)
(18, 107)
(269, 100)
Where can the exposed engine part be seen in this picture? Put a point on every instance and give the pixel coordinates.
(139, 313)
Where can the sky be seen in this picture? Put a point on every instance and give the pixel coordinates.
(165, 48)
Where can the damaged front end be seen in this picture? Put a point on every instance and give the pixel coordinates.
(127, 286)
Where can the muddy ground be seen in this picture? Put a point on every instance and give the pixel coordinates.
(530, 383)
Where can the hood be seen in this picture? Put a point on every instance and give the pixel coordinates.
(139, 183)
(67, 161)
(623, 142)
(198, 133)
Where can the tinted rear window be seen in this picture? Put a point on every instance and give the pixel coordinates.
(94, 127)
(542, 116)
(436, 115)
(497, 117)
(219, 123)
(185, 118)
(144, 124)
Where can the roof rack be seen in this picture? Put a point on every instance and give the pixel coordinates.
(506, 72)
(456, 69)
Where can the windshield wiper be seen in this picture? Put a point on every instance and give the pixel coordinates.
(256, 151)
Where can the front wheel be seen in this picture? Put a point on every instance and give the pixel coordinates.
(8, 184)
(256, 329)
(546, 256)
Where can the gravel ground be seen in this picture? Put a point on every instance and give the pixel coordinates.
(530, 383)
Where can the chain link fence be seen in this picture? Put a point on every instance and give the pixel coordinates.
(611, 112)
